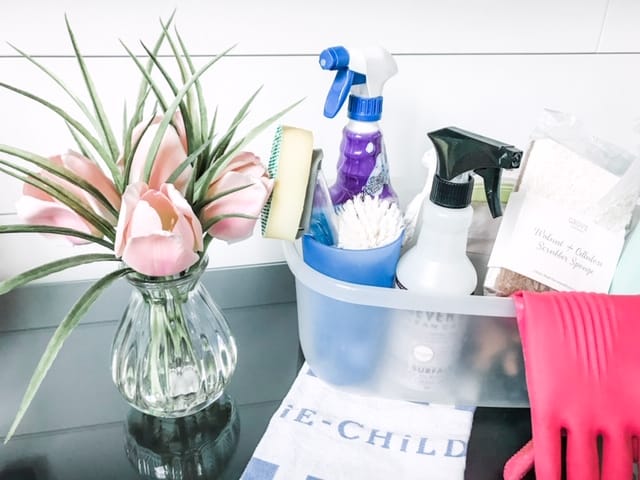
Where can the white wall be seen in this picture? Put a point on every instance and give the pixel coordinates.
(488, 66)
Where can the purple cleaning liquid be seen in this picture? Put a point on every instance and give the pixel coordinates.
(362, 167)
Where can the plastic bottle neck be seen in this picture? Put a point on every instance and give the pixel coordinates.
(454, 194)
(358, 126)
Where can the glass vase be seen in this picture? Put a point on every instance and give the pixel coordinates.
(173, 353)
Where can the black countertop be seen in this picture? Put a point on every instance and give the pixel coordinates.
(100, 452)
(221, 443)
(497, 433)
(78, 426)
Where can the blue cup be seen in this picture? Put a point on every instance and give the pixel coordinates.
(374, 266)
(348, 339)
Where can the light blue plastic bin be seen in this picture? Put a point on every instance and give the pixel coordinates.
(353, 336)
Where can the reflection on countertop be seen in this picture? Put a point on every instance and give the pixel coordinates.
(194, 447)
(97, 452)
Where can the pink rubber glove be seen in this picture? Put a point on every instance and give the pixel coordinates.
(582, 361)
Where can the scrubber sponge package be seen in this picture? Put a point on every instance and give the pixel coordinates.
(566, 220)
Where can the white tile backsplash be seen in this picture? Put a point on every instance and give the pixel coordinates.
(287, 26)
(493, 91)
(621, 32)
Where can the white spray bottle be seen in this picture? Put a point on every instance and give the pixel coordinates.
(426, 345)
(438, 263)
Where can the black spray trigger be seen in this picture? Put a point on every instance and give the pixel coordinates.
(460, 153)
(509, 157)
(491, 178)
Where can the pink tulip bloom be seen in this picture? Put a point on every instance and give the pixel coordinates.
(244, 169)
(172, 152)
(157, 234)
(36, 207)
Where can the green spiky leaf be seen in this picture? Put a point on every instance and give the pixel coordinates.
(184, 111)
(83, 107)
(171, 110)
(202, 106)
(192, 104)
(63, 331)
(128, 159)
(205, 180)
(143, 90)
(199, 206)
(213, 220)
(188, 161)
(95, 143)
(80, 143)
(202, 166)
(53, 267)
(224, 142)
(45, 229)
(59, 194)
(143, 93)
(63, 173)
(146, 73)
(105, 127)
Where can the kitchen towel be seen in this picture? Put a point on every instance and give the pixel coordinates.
(321, 433)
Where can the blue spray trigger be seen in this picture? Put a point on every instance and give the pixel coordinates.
(340, 89)
(334, 58)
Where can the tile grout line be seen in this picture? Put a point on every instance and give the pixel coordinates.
(603, 26)
(313, 55)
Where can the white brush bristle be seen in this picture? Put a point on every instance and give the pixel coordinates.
(368, 222)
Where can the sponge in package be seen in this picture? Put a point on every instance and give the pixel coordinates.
(565, 223)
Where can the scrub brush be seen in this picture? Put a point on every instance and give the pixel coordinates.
(290, 167)
(366, 222)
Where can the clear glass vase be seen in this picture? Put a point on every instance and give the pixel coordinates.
(173, 353)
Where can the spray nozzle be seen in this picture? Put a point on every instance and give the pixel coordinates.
(334, 58)
(361, 72)
(461, 153)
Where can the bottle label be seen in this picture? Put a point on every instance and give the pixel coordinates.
(558, 247)
(379, 176)
(427, 346)
(362, 168)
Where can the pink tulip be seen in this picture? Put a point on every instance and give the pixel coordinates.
(36, 207)
(157, 234)
(244, 169)
(172, 152)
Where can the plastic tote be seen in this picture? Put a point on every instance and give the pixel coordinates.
(458, 350)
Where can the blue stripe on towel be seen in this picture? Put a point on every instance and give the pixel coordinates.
(259, 470)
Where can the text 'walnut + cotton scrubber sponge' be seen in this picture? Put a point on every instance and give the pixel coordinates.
(290, 167)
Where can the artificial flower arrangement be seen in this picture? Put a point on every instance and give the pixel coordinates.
(155, 201)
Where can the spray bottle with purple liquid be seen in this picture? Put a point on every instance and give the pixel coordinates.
(361, 75)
